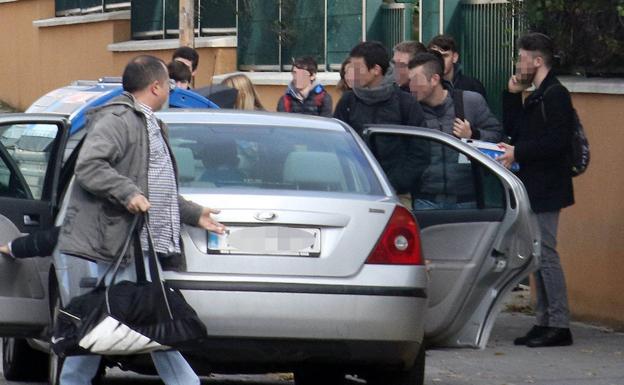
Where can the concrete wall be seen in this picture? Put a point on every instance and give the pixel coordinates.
(591, 233)
(36, 59)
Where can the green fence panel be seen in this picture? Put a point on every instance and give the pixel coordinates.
(396, 23)
(258, 35)
(172, 18)
(303, 32)
(487, 47)
(430, 19)
(147, 19)
(66, 7)
(344, 29)
(217, 16)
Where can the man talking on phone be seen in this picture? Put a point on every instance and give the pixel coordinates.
(541, 135)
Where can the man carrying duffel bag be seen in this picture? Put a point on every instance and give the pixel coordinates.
(124, 140)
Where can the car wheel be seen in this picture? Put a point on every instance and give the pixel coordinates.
(319, 376)
(412, 376)
(20, 362)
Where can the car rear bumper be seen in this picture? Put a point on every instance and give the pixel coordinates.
(295, 323)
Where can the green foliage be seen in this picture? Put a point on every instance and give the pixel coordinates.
(588, 34)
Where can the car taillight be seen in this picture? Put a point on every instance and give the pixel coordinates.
(400, 242)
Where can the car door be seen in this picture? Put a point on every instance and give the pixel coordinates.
(478, 233)
(31, 148)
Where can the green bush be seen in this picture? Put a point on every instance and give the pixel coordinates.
(588, 34)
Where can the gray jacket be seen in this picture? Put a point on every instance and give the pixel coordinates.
(445, 174)
(111, 168)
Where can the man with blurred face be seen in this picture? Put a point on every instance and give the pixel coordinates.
(446, 45)
(125, 167)
(444, 185)
(541, 129)
(402, 54)
(376, 99)
(304, 94)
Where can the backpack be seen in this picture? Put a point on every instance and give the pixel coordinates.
(318, 101)
(458, 103)
(580, 155)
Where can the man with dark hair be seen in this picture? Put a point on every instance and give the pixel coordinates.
(402, 54)
(188, 56)
(470, 120)
(180, 73)
(375, 99)
(125, 167)
(541, 130)
(304, 94)
(446, 45)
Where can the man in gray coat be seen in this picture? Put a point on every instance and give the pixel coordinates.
(446, 182)
(126, 167)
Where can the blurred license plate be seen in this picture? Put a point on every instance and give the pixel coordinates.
(271, 240)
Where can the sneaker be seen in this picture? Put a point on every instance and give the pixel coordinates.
(535, 331)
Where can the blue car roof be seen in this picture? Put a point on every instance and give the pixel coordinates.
(75, 100)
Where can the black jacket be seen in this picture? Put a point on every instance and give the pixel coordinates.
(467, 83)
(400, 108)
(396, 107)
(542, 147)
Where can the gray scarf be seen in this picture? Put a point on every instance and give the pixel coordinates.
(377, 94)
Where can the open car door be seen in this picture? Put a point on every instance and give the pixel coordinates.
(31, 148)
(479, 235)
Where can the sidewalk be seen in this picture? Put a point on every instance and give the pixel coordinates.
(596, 358)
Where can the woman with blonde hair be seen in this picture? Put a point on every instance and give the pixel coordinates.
(247, 98)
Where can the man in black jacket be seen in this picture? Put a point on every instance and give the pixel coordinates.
(541, 133)
(375, 99)
(446, 45)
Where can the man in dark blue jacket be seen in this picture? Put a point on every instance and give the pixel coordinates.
(541, 131)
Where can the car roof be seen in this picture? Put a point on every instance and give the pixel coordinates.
(259, 118)
(75, 100)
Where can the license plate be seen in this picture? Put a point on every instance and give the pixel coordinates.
(267, 240)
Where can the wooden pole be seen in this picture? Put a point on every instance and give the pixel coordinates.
(187, 25)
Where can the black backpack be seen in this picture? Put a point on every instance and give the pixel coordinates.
(580, 154)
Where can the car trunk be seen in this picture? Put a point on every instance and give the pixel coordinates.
(290, 234)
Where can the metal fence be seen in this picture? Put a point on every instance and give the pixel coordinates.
(487, 45)
(272, 32)
(79, 7)
(159, 19)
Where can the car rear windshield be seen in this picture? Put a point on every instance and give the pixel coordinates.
(283, 158)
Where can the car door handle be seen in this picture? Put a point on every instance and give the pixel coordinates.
(31, 219)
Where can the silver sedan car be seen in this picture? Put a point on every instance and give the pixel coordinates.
(324, 271)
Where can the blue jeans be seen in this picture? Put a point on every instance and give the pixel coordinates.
(170, 365)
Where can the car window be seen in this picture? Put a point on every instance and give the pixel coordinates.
(436, 176)
(284, 158)
(30, 146)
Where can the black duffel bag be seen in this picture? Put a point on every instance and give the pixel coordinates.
(128, 317)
